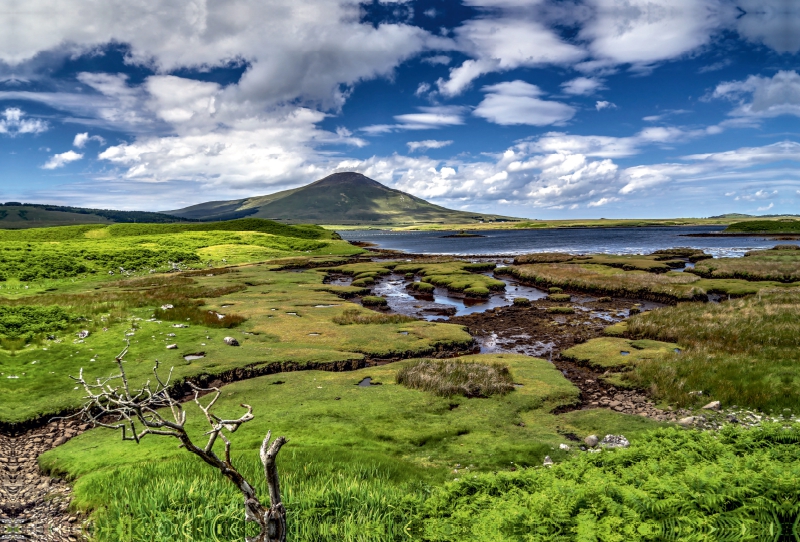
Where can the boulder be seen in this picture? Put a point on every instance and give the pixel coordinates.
(614, 441)
(713, 405)
(230, 341)
(547, 461)
(591, 441)
(688, 421)
(82, 334)
(172, 347)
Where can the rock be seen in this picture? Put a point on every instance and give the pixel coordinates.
(83, 333)
(166, 307)
(564, 447)
(713, 405)
(591, 441)
(172, 347)
(614, 441)
(230, 341)
(547, 461)
(688, 421)
(179, 325)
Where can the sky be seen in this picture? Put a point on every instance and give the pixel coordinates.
(531, 108)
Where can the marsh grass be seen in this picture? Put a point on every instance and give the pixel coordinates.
(744, 351)
(779, 264)
(355, 316)
(373, 301)
(198, 316)
(545, 257)
(447, 378)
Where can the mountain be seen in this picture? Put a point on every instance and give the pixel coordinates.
(17, 215)
(341, 198)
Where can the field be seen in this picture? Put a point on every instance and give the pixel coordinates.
(391, 436)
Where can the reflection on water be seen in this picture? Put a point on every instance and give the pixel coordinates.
(442, 304)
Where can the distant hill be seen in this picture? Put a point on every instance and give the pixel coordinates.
(17, 215)
(341, 198)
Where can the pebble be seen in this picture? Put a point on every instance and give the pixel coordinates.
(34, 506)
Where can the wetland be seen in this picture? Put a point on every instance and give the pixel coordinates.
(415, 388)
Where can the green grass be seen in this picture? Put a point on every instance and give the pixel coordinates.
(786, 225)
(280, 317)
(448, 378)
(359, 461)
(607, 352)
(742, 352)
(781, 265)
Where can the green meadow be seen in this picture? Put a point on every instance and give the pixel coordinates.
(435, 447)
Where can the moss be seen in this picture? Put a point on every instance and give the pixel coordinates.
(422, 287)
(522, 302)
(373, 301)
(559, 297)
(555, 290)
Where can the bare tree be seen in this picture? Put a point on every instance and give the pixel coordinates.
(111, 403)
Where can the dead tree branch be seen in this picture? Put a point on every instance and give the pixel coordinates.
(150, 410)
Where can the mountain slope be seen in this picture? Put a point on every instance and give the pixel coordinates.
(341, 198)
(16, 215)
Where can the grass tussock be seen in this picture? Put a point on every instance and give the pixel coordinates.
(744, 351)
(780, 265)
(545, 257)
(355, 316)
(447, 378)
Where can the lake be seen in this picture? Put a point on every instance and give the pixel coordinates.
(570, 240)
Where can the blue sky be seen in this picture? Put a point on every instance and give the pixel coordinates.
(534, 108)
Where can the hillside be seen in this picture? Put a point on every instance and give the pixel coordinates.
(16, 215)
(341, 198)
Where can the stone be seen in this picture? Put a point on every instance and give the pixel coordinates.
(614, 441)
(82, 334)
(688, 421)
(166, 307)
(564, 447)
(591, 441)
(230, 341)
(547, 461)
(713, 405)
(172, 347)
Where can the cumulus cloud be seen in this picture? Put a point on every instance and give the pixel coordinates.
(582, 86)
(602, 104)
(80, 140)
(427, 144)
(518, 102)
(13, 123)
(766, 207)
(759, 96)
(61, 160)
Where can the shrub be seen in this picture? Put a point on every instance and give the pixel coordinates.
(373, 301)
(559, 297)
(446, 378)
(355, 316)
(561, 310)
(670, 485)
(522, 302)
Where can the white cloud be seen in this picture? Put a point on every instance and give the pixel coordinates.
(766, 207)
(13, 123)
(422, 89)
(602, 104)
(80, 140)
(758, 195)
(601, 202)
(437, 59)
(428, 118)
(518, 102)
(775, 23)
(427, 144)
(643, 32)
(505, 43)
(582, 86)
(61, 160)
(769, 97)
(750, 156)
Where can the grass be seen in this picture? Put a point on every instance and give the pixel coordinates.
(786, 225)
(779, 264)
(448, 378)
(617, 353)
(373, 301)
(280, 318)
(355, 316)
(606, 280)
(359, 463)
(742, 352)
(559, 297)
